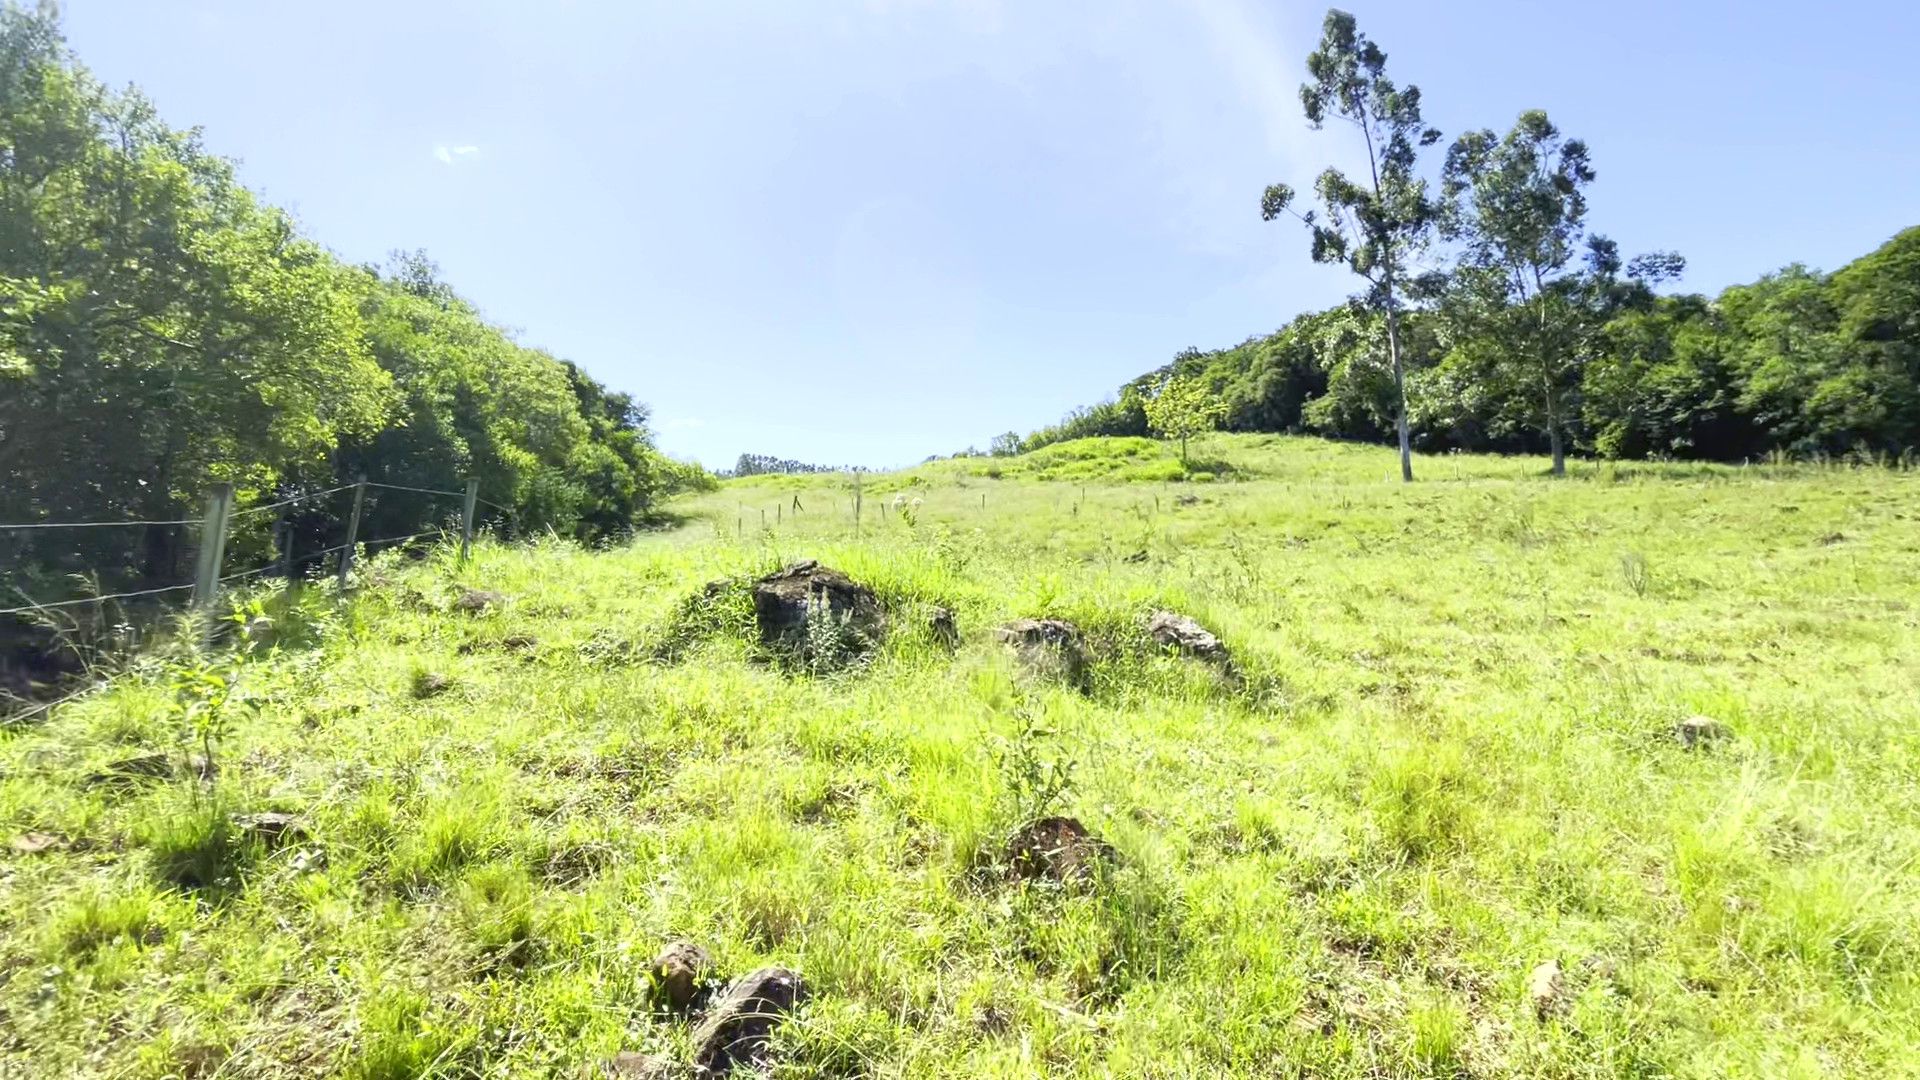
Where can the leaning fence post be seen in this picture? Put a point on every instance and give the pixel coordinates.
(856, 504)
(466, 518)
(213, 547)
(353, 530)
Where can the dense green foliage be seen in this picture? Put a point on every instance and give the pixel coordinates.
(1798, 363)
(1181, 408)
(161, 331)
(1536, 334)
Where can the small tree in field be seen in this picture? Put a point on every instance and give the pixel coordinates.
(1182, 409)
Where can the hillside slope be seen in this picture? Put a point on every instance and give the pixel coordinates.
(1446, 761)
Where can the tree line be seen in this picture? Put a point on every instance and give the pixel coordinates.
(162, 330)
(762, 464)
(1491, 317)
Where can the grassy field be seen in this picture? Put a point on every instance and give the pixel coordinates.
(1448, 760)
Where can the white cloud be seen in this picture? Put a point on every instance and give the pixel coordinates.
(682, 423)
(448, 155)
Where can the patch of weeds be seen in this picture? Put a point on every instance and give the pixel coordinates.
(197, 845)
(496, 905)
(1635, 573)
(835, 1038)
(1421, 798)
(96, 919)
(455, 833)
(1438, 1038)
(575, 855)
(604, 648)
(1122, 933)
(426, 683)
(1035, 777)
(832, 641)
(720, 609)
(1521, 530)
(402, 1038)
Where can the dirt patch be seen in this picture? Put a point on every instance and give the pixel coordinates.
(1058, 849)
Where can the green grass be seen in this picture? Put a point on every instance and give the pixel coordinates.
(1448, 759)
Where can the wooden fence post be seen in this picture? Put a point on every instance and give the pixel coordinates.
(856, 504)
(353, 530)
(213, 548)
(286, 548)
(466, 518)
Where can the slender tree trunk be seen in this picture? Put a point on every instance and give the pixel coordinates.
(1393, 320)
(1554, 440)
(1399, 393)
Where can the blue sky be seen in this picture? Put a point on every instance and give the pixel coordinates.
(864, 231)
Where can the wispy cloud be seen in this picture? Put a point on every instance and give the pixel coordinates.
(682, 423)
(1265, 67)
(448, 155)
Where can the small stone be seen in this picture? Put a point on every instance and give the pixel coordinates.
(1048, 646)
(628, 1065)
(945, 630)
(1180, 632)
(272, 828)
(475, 601)
(1547, 988)
(428, 684)
(991, 1019)
(740, 1025)
(128, 771)
(33, 843)
(1698, 731)
(676, 975)
(1600, 967)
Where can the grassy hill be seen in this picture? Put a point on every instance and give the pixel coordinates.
(1447, 759)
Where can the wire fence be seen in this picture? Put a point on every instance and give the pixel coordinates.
(334, 534)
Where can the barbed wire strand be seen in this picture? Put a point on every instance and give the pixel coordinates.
(275, 565)
(48, 705)
(404, 539)
(420, 490)
(291, 501)
(93, 524)
(94, 599)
